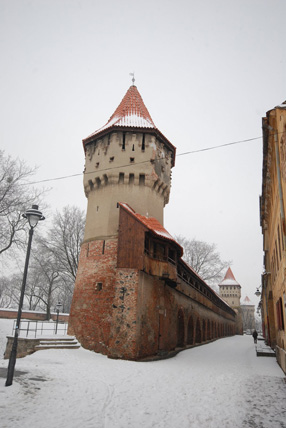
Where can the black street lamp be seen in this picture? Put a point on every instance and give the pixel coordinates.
(257, 292)
(33, 215)
(58, 307)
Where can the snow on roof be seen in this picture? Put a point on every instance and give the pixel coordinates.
(283, 105)
(131, 112)
(247, 302)
(229, 279)
(152, 224)
(155, 227)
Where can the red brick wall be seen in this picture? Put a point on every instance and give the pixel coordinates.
(91, 309)
(124, 333)
(135, 314)
(30, 315)
(157, 317)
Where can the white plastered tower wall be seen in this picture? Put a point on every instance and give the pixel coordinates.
(130, 164)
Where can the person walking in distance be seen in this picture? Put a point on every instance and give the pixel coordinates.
(254, 335)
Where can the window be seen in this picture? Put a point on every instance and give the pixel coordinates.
(172, 254)
(141, 179)
(279, 242)
(121, 177)
(281, 233)
(143, 143)
(98, 286)
(279, 312)
(159, 251)
(123, 141)
(131, 178)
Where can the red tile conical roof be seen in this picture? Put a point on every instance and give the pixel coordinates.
(229, 274)
(229, 279)
(131, 108)
(131, 113)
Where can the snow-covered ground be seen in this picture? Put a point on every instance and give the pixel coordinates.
(222, 384)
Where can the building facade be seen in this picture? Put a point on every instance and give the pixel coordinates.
(134, 296)
(272, 220)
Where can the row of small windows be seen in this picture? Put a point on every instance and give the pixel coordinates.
(111, 159)
(133, 146)
(131, 179)
(229, 295)
(123, 146)
(121, 180)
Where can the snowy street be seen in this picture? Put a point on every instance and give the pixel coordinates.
(222, 384)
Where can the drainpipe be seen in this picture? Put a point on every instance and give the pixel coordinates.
(277, 157)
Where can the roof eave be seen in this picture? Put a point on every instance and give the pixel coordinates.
(145, 130)
(130, 211)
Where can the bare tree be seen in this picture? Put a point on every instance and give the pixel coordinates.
(53, 265)
(6, 297)
(204, 259)
(15, 198)
(44, 279)
(65, 239)
(55, 260)
(248, 318)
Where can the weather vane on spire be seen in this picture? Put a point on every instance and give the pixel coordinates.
(133, 77)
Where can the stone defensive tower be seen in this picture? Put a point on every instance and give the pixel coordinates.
(230, 289)
(128, 160)
(134, 295)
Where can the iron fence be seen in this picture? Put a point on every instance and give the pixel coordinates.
(40, 328)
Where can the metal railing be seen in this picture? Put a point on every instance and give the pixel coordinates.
(40, 328)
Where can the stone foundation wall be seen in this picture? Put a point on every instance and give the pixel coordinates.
(25, 346)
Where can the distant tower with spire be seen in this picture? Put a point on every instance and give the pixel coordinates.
(248, 314)
(230, 289)
(128, 160)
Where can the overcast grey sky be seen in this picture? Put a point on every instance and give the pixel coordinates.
(207, 71)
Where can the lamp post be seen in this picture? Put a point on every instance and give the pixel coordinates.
(33, 215)
(257, 292)
(58, 307)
